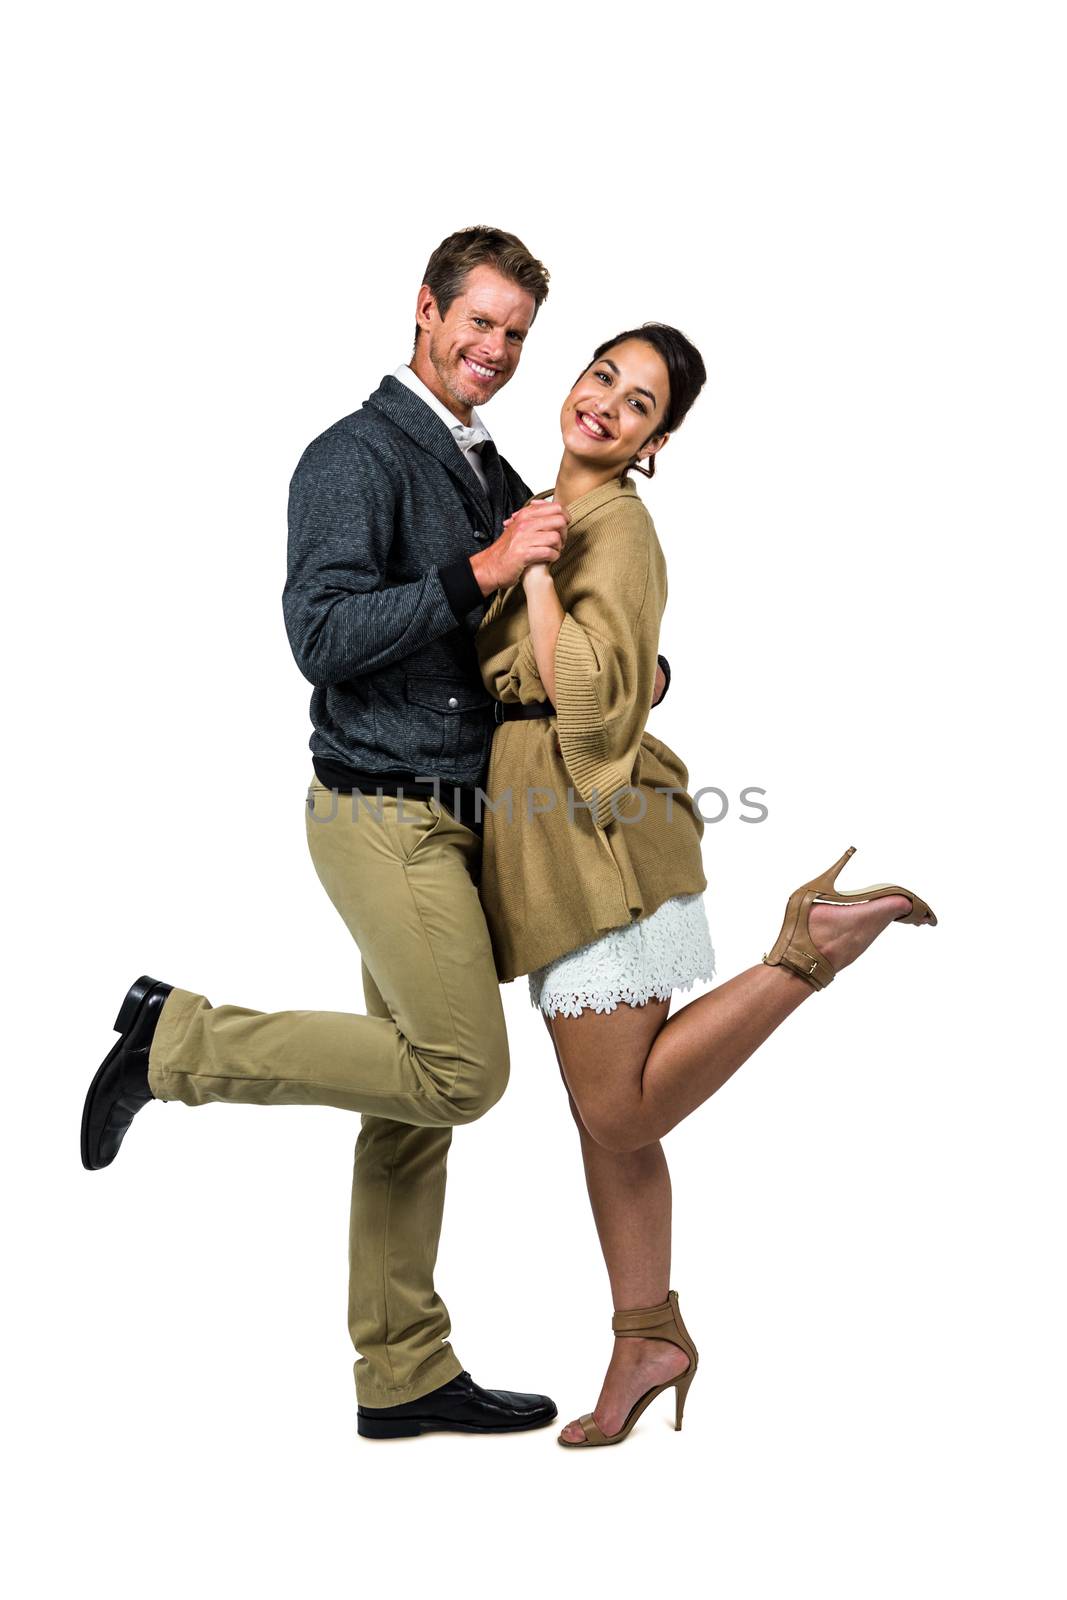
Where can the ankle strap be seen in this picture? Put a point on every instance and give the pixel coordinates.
(643, 1320)
(657, 1322)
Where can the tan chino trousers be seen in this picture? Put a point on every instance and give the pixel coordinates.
(432, 1052)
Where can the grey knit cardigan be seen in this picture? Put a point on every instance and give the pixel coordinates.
(381, 604)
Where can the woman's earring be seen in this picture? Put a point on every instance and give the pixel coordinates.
(646, 472)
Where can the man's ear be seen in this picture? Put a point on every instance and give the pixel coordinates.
(426, 308)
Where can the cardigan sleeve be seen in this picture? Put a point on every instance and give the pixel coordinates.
(605, 656)
(342, 617)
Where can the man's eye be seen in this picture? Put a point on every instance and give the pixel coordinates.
(480, 321)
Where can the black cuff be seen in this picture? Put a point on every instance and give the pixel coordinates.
(461, 587)
(665, 664)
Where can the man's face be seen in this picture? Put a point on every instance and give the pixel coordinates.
(471, 352)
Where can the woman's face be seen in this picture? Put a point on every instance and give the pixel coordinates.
(614, 407)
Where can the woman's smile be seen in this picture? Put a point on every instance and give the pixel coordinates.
(592, 425)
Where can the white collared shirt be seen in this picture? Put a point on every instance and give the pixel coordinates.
(461, 434)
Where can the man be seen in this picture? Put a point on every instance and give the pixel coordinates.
(396, 539)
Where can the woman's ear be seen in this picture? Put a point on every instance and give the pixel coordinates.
(654, 445)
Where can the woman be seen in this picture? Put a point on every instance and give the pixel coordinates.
(592, 876)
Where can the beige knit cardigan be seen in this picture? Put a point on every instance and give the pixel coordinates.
(582, 853)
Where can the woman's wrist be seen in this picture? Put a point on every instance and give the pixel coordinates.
(538, 575)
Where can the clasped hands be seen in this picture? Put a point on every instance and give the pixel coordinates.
(533, 536)
(530, 540)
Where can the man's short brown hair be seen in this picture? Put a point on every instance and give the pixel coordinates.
(447, 269)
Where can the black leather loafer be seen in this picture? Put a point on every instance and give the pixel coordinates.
(120, 1087)
(459, 1406)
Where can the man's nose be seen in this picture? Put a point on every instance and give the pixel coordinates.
(493, 349)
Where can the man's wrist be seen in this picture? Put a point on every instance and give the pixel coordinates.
(462, 587)
(482, 570)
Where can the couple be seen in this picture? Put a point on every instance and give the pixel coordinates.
(467, 639)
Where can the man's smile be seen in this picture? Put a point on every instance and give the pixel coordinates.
(483, 374)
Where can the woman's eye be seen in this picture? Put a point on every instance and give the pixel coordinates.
(603, 375)
(639, 406)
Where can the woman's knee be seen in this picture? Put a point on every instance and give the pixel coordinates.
(612, 1126)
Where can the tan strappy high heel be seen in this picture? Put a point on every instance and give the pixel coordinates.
(654, 1322)
(794, 948)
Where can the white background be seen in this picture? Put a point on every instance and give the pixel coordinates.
(218, 222)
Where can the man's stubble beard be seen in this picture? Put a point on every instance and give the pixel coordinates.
(448, 383)
(447, 376)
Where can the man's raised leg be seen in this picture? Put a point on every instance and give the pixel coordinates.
(402, 880)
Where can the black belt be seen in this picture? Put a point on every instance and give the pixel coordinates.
(513, 712)
(460, 799)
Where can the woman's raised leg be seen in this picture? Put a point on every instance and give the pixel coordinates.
(634, 1075)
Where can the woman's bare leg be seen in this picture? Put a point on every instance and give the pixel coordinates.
(635, 1075)
(631, 1075)
(631, 1199)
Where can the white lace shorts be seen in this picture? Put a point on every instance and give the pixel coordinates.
(669, 950)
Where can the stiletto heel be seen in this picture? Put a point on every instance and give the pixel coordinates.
(681, 1389)
(794, 947)
(654, 1322)
(827, 879)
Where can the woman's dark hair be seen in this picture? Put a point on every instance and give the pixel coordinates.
(686, 373)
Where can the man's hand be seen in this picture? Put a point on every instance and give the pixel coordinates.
(536, 533)
(663, 679)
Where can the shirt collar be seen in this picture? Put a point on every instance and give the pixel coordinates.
(412, 381)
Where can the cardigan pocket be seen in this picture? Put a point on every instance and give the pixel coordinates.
(459, 727)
